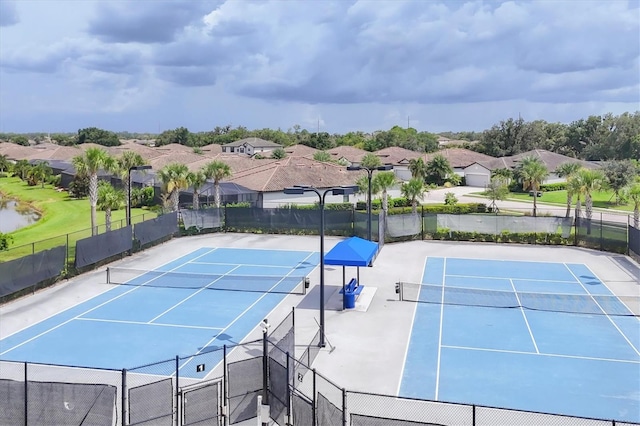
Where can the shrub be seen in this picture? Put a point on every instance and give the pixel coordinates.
(548, 187)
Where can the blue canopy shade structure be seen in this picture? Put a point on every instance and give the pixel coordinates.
(353, 251)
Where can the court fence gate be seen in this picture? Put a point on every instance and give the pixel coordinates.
(221, 386)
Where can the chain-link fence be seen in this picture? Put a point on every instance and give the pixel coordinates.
(220, 386)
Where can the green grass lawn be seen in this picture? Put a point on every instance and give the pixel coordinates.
(602, 199)
(60, 216)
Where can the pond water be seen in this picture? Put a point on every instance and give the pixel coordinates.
(15, 215)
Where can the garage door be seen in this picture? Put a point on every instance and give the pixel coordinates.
(479, 180)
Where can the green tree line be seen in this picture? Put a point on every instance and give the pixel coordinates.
(606, 137)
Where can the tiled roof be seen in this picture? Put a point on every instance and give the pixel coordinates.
(459, 157)
(300, 151)
(351, 154)
(173, 148)
(550, 159)
(397, 155)
(176, 157)
(254, 142)
(14, 151)
(145, 152)
(290, 171)
(211, 150)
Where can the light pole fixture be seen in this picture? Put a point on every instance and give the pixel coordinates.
(339, 190)
(146, 167)
(370, 171)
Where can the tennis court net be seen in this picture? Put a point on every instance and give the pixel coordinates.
(552, 302)
(196, 281)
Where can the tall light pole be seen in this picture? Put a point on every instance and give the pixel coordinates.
(339, 190)
(369, 176)
(146, 167)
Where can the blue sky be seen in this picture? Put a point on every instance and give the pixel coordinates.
(152, 65)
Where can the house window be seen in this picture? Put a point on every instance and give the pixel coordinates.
(231, 149)
(240, 149)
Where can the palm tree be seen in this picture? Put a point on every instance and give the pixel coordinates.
(438, 169)
(503, 174)
(363, 186)
(417, 168)
(533, 172)
(384, 181)
(413, 191)
(588, 182)
(174, 178)
(217, 170)
(90, 163)
(370, 161)
(573, 187)
(39, 173)
(21, 169)
(125, 162)
(567, 170)
(322, 156)
(4, 163)
(196, 180)
(109, 199)
(633, 193)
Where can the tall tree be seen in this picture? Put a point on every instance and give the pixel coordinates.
(533, 172)
(417, 168)
(98, 136)
(587, 182)
(90, 164)
(109, 199)
(174, 178)
(385, 181)
(196, 180)
(568, 170)
(633, 193)
(438, 169)
(370, 161)
(39, 173)
(413, 190)
(4, 163)
(127, 160)
(619, 174)
(217, 171)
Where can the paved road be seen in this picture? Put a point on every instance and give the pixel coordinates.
(462, 193)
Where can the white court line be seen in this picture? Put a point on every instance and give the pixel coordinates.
(94, 308)
(239, 316)
(413, 322)
(505, 278)
(191, 295)
(444, 275)
(624, 361)
(246, 264)
(146, 323)
(524, 316)
(603, 311)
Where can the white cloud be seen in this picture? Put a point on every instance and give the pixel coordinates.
(312, 59)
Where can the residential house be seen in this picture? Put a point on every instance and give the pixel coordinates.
(399, 158)
(250, 146)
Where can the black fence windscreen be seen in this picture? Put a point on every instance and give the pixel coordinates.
(203, 218)
(28, 271)
(301, 409)
(51, 403)
(100, 247)
(278, 391)
(201, 405)
(156, 229)
(634, 240)
(360, 420)
(245, 384)
(152, 404)
(285, 220)
(328, 413)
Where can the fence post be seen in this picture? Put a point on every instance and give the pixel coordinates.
(123, 397)
(225, 386)
(473, 415)
(26, 396)
(314, 409)
(344, 407)
(601, 236)
(289, 387)
(177, 390)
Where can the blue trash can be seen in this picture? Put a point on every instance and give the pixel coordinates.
(349, 300)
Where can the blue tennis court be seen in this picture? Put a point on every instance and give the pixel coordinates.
(536, 336)
(192, 305)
